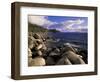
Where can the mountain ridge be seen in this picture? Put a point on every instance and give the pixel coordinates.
(37, 28)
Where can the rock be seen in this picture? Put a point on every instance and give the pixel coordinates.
(44, 47)
(64, 61)
(39, 53)
(71, 45)
(31, 46)
(30, 42)
(49, 49)
(29, 61)
(36, 36)
(57, 50)
(69, 48)
(39, 41)
(30, 34)
(31, 38)
(73, 57)
(80, 56)
(67, 61)
(84, 55)
(53, 54)
(29, 53)
(37, 61)
(50, 61)
(39, 47)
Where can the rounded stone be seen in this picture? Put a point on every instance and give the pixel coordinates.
(36, 36)
(39, 53)
(29, 53)
(39, 46)
(37, 61)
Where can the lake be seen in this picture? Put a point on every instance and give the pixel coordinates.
(76, 38)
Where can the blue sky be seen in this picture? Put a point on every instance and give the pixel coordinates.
(61, 23)
(66, 18)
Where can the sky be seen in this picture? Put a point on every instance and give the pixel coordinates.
(61, 23)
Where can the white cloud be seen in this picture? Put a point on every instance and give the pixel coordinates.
(65, 26)
(78, 29)
(39, 20)
(69, 25)
(79, 21)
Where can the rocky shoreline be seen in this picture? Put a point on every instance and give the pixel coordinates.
(43, 52)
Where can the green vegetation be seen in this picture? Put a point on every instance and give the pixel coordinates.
(54, 30)
(36, 28)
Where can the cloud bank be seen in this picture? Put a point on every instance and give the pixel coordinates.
(64, 26)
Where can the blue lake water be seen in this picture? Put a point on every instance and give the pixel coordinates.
(71, 37)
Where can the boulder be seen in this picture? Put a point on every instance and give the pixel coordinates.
(39, 53)
(68, 46)
(57, 50)
(80, 56)
(36, 36)
(44, 47)
(64, 61)
(53, 54)
(39, 47)
(39, 41)
(29, 53)
(31, 46)
(37, 61)
(30, 42)
(30, 34)
(73, 57)
(50, 61)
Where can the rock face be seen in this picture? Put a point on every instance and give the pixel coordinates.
(35, 51)
(39, 54)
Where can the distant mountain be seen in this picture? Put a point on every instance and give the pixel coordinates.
(36, 28)
(53, 30)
